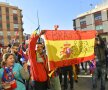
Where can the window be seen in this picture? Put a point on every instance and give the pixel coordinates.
(15, 25)
(8, 25)
(107, 14)
(7, 10)
(15, 29)
(99, 27)
(1, 33)
(0, 17)
(8, 33)
(7, 17)
(0, 9)
(83, 22)
(98, 16)
(14, 11)
(74, 24)
(15, 18)
(0, 25)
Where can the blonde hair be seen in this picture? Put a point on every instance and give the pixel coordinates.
(5, 57)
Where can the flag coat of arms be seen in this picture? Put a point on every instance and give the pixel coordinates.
(67, 47)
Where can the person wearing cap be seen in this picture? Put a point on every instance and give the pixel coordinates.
(38, 62)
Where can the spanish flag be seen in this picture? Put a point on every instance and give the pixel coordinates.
(67, 47)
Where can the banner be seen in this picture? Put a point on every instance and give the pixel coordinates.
(67, 47)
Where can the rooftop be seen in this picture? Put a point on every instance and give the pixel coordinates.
(99, 7)
(4, 3)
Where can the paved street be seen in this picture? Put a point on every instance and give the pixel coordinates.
(84, 83)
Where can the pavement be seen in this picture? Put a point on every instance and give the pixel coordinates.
(85, 83)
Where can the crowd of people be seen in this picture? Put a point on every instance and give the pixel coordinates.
(25, 67)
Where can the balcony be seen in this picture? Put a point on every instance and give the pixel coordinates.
(22, 29)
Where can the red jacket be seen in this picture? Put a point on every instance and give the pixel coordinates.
(38, 71)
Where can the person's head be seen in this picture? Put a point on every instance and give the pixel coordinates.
(97, 41)
(15, 47)
(8, 60)
(8, 48)
(3, 50)
(39, 47)
(9, 45)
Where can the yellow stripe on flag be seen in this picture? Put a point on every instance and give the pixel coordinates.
(69, 49)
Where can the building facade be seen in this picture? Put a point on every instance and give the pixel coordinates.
(95, 19)
(11, 25)
(26, 38)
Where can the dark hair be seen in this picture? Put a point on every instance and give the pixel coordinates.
(15, 44)
(102, 42)
(97, 39)
(9, 45)
(5, 57)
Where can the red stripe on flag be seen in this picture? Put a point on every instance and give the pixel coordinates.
(54, 65)
(69, 35)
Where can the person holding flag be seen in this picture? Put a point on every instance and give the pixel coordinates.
(38, 62)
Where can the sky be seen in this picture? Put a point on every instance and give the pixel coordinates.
(51, 12)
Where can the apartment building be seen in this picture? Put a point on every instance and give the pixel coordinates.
(11, 25)
(95, 19)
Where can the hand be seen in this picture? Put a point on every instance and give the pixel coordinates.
(42, 32)
(6, 85)
(25, 66)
